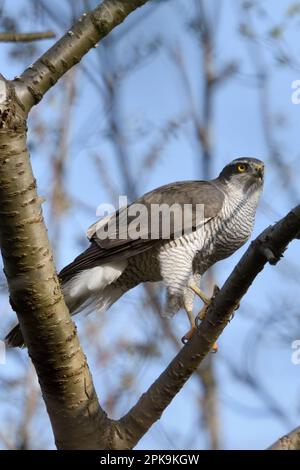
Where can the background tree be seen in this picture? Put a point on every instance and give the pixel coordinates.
(236, 101)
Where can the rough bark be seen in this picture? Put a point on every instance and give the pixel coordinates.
(35, 293)
(290, 441)
(76, 417)
(92, 26)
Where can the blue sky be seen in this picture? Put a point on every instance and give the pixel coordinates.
(150, 96)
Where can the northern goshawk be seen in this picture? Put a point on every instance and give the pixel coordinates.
(112, 265)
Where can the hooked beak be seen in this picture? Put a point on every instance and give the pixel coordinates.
(259, 171)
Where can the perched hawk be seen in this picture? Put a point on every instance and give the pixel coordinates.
(111, 266)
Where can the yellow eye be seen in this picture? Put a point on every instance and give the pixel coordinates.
(241, 167)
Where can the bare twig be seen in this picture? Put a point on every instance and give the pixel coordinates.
(26, 37)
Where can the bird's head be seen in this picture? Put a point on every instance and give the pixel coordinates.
(244, 172)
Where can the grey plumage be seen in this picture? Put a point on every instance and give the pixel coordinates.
(110, 267)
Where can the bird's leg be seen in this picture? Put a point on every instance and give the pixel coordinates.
(201, 315)
(191, 318)
(192, 285)
(188, 308)
(203, 297)
(186, 338)
(207, 301)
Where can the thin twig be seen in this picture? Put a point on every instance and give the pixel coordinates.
(26, 37)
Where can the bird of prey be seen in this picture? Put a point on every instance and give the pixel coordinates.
(113, 265)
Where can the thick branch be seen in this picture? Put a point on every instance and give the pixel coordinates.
(290, 441)
(269, 246)
(26, 37)
(35, 293)
(77, 419)
(69, 50)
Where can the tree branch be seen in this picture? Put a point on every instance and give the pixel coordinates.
(77, 419)
(26, 37)
(268, 247)
(36, 80)
(35, 293)
(290, 441)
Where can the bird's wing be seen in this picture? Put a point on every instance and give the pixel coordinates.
(120, 244)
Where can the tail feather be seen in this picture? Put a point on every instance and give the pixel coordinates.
(85, 293)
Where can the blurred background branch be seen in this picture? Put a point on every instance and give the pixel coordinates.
(26, 37)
